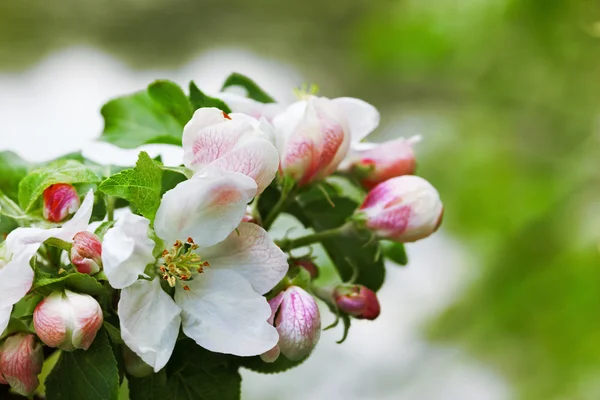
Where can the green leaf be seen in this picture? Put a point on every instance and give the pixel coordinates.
(172, 98)
(394, 252)
(9, 208)
(12, 169)
(137, 119)
(103, 228)
(253, 90)
(15, 325)
(63, 171)
(355, 251)
(89, 375)
(113, 332)
(200, 100)
(282, 364)
(141, 186)
(153, 387)
(45, 283)
(197, 374)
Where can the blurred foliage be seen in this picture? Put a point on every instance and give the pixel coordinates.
(505, 93)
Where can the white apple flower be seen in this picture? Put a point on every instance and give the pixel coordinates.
(16, 274)
(219, 267)
(233, 142)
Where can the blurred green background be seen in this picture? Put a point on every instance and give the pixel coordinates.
(507, 94)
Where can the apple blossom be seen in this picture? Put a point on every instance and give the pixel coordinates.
(60, 201)
(295, 314)
(373, 163)
(403, 209)
(234, 142)
(21, 360)
(68, 320)
(16, 274)
(313, 135)
(86, 253)
(218, 266)
(357, 300)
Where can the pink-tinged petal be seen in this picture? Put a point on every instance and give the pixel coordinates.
(68, 320)
(150, 322)
(223, 314)
(4, 319)
(404, 209)
(250, 252)
(209, 135)
(298, 323)
(206, 208)
(252, 156)
(362, 117)
(357, 300)
(127, 250)
(313, 138)
(21, 360)
(16, 276)
(274, 303)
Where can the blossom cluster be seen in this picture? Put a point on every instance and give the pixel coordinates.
(151, 263)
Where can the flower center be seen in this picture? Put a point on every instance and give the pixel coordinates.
(181, 262)
(306, 91)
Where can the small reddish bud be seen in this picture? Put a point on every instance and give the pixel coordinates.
(60, 201)
(357, 300)
(308, 265)
(374, 163)
(403, 209)
(68, 320)
(86, 253)
(296, 317)
(21, 360)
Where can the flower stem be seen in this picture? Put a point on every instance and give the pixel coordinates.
(287, 195)
(291, 244)
(110, 207)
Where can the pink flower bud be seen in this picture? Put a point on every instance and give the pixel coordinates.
(308, 265)
(86, 253)
(403, 209)
(296, 317)
(68, 320)
(60, 201)
(357, 300)
(313, 138)
(21, 360)
(375, 163)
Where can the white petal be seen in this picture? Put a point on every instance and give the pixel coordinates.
(16, 276)
(126, 250)
(363, 118)
(206, 208)
(150, 322)
(222, 313)
(252, 254)
(4, 318)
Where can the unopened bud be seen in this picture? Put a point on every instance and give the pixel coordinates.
(60, 201)
(68, 320)
(86, 253)
(308, 265)
(298, 323)
(403, 209)
(375, 163)
(21, 360)
(357, 300)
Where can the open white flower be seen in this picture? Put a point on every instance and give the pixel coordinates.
(16, 274)
(219, 268)
(234, 142)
